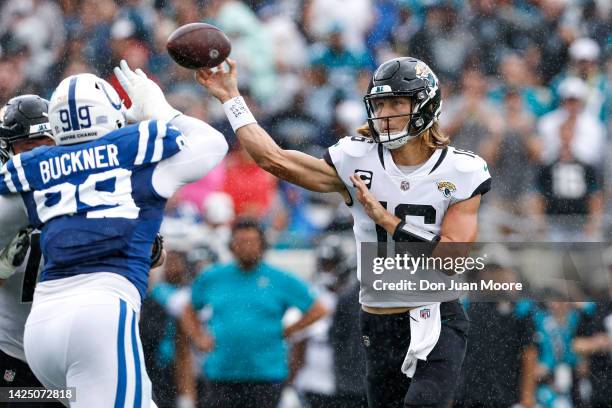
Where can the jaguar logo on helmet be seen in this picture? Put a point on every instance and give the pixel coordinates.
(424, 72)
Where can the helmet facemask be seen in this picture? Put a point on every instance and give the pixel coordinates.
(418, 119)
(403, 78)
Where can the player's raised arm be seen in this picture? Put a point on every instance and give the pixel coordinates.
(290, 165)
(203, 148)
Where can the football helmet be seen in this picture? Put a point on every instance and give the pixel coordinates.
(23, 117)
(404, 77)
(84, 107)
(330, 266)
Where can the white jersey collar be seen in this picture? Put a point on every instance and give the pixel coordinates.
(423, 170)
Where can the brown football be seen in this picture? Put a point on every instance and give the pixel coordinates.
(198, 45)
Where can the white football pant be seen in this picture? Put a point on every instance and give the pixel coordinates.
(89, 341)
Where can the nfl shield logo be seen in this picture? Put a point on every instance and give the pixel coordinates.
(424, 313)
(9, 375)
(405, 185)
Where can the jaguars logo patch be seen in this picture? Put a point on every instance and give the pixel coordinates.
(447, 188)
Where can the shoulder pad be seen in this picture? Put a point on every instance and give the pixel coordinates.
(466, 161)
(355, 146)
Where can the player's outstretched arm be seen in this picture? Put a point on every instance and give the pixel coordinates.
(204, 147)
(290, 165)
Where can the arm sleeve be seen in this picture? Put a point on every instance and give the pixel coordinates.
(12, 218)
(205, 147)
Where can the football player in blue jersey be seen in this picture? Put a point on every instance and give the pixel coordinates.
(98, 199)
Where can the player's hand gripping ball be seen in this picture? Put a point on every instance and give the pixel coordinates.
(198, 45)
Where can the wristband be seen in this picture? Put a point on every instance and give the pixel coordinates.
(238, 113)
(405, 233)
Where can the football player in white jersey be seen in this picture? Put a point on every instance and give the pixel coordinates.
(402, 183)
(98, 198)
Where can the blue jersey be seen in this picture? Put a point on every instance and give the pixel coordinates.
(94, 202)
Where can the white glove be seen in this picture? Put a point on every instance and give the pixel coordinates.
(148, 100)
(14, 254)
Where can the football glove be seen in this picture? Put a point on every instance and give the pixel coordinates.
(14, 254)
(148, 100)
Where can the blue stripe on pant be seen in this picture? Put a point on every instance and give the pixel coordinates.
(138, 393)
(122, 363)
(122, 371)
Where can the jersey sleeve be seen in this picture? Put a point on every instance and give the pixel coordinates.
(474, 176)
(157, 141)
(334, 156)
(203, 148)
(355, 146)
(13, 177)
(4, 186)
(340, 156)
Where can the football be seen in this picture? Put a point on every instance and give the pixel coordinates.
(198, 45)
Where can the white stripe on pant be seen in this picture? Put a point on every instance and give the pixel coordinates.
(88, 341)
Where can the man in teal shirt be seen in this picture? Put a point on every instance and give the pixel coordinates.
(247, 360)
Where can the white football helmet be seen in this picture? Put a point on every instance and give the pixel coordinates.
(84, 107)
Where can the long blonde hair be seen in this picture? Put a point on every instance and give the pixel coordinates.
(434, 137)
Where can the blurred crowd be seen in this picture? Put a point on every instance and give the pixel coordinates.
(527, 84)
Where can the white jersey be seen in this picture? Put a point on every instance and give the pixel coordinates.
(16, 292)
(16, 296)
(420, 198)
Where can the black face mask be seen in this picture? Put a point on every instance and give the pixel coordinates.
(4, 156)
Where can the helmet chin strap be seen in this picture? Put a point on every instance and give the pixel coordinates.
(397, 139)
(397, 143)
